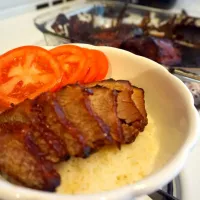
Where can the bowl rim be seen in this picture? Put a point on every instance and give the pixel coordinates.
(148, 184)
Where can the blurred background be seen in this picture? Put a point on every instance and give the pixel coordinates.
(166, 31)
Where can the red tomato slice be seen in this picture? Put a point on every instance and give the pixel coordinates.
(72, 59)
(91, 63)
(102, 65)
(26, 72)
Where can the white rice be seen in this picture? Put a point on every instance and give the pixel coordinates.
(110, 168)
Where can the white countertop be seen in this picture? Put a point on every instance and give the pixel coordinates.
(20, 30)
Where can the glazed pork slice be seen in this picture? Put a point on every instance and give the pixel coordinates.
(131, 117)
(136, 103)
(16, 113)
(29, 113)
(138, 98)
(20, 160)
(56, 136)
(78, 110)
(104, 103)
(112, 84)
(74, 121)
(55, 119)
(61, 134)
(132, 121)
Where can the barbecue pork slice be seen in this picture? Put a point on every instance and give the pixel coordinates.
(21, 160)
(30, 114)
(77, 108)
(129, 106)
(55, 119)
(104, 104)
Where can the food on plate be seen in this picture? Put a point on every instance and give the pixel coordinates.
(57, 107)
(111, 168)
(132, 113)
(92, 62)
(26, 72)
(98, 62)
(75, 121)
(73, 61)
(80, 64)
(21, 159)
(29, 71)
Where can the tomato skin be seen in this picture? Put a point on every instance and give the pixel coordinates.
(92, 65)
(72, 59)
(81, 65)
(102, 65)
(26, 72)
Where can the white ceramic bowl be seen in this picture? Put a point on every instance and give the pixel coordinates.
(171, 106)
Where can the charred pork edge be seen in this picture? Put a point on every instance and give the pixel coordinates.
(104, 127)
(119, 125)
(47, 167)
(143, 99)
(47, 134)
(71, 128)
(98, 84)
